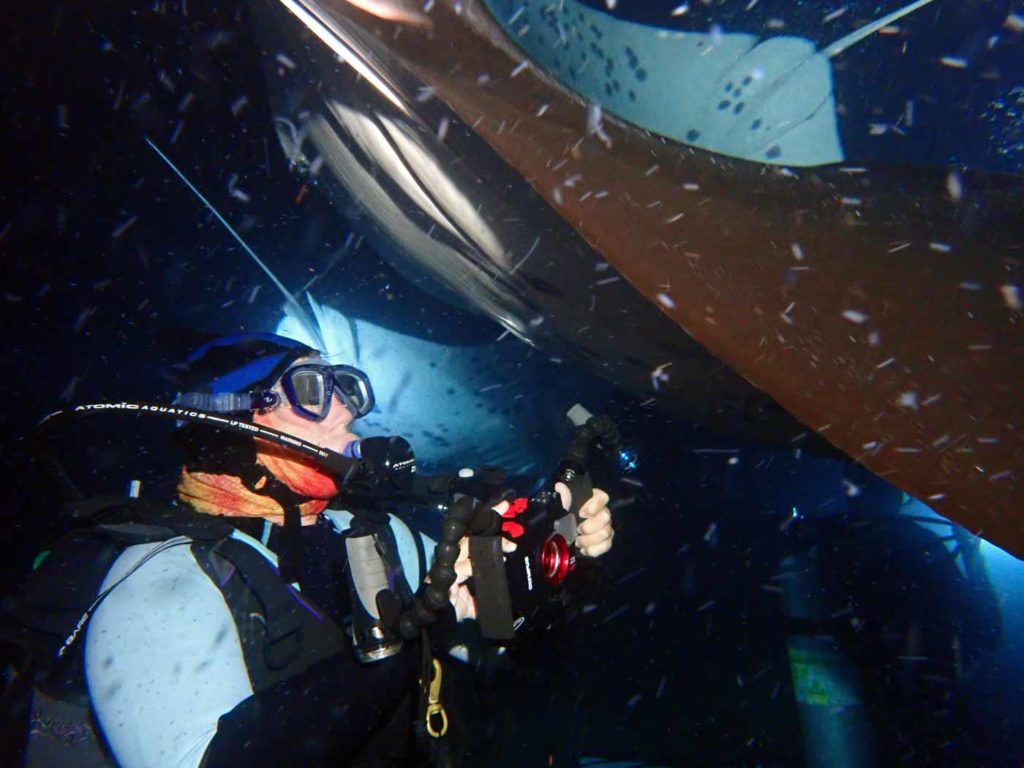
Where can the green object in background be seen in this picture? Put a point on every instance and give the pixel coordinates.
(39, 559)
(821, 677)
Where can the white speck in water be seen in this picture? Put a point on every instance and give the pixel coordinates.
(798, 251)
(82, 318)
(969, 286)
(659, 376)
(442, 128)
(852, 489)
(595, 123)
(542, 110)
(679, 10)
(834, 15)
(234, 191)
(69, 390)
(955, 187)
(908, 400)
(1014, 22)
(955, 62)
(717, 35)
(785, 315)
(615, 614)
(854, 316)
(940, 247)
(1011, 296)
(123, 227)
(166, 81)
(520, 67)
(666, 301)
(284, 61)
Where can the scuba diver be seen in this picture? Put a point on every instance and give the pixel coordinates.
(209, 632)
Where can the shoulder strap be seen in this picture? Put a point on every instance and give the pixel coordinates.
(282, 633)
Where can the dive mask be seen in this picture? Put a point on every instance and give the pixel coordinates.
(310, 389)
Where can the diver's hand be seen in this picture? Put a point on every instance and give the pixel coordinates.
(461, 599)
(594, 533)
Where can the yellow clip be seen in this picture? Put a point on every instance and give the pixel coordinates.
(434, 707)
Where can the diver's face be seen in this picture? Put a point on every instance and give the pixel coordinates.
(331, 432)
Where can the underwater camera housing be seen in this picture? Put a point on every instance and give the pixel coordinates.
(513, 590)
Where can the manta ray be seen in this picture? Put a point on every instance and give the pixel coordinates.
(708, 245)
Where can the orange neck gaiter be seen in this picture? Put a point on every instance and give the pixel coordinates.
(227, 495)
(298, 473)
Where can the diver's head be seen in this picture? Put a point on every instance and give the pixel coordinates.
(260, 372)
(275, 382)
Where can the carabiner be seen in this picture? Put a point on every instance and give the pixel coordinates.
(434, 707)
